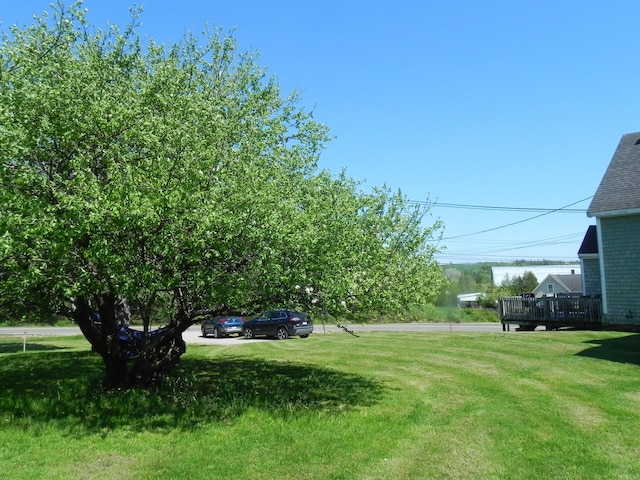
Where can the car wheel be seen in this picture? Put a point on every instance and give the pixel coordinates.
(283, 334)
(248, 333)
(304, 336)
(216, 333)
(204, 333)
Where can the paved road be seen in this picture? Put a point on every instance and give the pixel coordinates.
(193, 336)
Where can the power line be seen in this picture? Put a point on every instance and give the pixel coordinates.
(468, 257)
(545, 212)
(466, 206)
(527, 243)
(508, 209)
(561, 240)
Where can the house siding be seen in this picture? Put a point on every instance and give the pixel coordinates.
(591, 276)
(620, 252)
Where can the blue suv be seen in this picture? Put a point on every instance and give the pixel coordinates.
(222, 326)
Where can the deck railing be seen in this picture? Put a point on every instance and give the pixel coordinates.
(552, 312)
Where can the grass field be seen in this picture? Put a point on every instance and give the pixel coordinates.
(539, 405)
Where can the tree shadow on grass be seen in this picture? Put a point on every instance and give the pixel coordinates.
(18, 346)
(622, 349)
(64, 389)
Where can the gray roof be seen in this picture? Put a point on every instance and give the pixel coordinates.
(573, 283)
(619, 190)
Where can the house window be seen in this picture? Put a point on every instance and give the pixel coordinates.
(549, 287)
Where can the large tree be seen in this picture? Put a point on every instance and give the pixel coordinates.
(179, 179)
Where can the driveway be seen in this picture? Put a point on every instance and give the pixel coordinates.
(193, 336)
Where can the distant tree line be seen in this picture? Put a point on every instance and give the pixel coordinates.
(476, 277)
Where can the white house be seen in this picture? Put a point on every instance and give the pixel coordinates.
(500, 274)
(559, 284)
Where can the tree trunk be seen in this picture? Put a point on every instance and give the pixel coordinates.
(132, 358)
(116, 373)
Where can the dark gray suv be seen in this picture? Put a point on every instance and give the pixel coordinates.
(280, 324)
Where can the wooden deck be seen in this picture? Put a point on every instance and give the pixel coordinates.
(551, 312)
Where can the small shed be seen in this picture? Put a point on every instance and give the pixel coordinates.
(468, 300)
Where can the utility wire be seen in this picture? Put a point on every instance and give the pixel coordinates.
(545, 212)
(499, 246)
(509, 209)
(464, 206)
(516, 246)
(469, 257)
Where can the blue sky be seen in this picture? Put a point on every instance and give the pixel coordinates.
(511, 104)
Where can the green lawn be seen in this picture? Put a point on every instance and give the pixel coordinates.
(540, 405)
